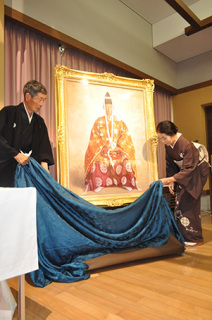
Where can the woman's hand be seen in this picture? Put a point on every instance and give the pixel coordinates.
(170, 182)
(165, 181)
(171, 187)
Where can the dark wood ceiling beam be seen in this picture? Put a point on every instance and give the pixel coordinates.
(185, 12)
(205, 23)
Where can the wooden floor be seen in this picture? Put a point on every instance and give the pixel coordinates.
(170, 288)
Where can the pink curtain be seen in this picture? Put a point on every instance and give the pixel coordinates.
(31, 56)
(162, 111)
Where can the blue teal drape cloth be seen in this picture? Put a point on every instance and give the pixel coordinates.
(72, 230)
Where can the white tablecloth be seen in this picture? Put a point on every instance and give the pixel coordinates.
(18, 233)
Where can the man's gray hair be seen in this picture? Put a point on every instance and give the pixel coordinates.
(34, 87)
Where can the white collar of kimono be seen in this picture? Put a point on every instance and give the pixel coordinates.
(29, 117)
(178, 135)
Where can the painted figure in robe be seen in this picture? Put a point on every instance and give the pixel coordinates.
(110, 156)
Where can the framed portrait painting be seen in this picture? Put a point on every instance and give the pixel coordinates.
(106, 140)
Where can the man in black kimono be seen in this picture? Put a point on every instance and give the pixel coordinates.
(22, 133)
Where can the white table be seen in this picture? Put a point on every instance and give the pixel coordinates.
(18, 238)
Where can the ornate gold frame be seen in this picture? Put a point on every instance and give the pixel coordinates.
(64, 77)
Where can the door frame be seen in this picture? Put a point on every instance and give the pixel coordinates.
(205, 106)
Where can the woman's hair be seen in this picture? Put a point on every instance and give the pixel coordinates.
(167, 127)
(34, 87)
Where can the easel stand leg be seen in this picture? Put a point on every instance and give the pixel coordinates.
(21, 297)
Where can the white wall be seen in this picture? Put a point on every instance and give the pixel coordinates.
(195, 66)
(110, 27)
(194, 70)
(174, 25)
(106, 25)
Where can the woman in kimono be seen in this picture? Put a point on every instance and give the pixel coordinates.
(110, 156)
(187, 174)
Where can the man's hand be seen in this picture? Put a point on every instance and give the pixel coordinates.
(22, 159)
(45, 166)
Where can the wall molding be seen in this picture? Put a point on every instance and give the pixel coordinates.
(195, 87)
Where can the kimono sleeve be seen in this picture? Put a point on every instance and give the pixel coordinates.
(41, 146)
(171, 167)
(45, 153)
(190, 164)
(7, 152)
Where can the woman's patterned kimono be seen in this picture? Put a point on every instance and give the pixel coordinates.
(191, 173)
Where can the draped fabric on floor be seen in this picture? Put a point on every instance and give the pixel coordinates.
(72, 230)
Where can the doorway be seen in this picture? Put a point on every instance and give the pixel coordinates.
(208, 125)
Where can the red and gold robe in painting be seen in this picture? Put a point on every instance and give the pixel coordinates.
(110, 162)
